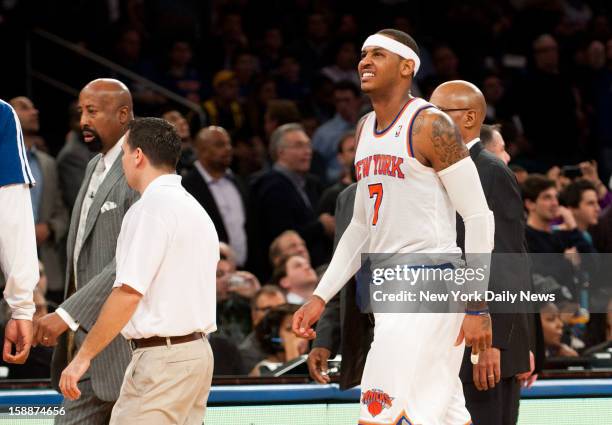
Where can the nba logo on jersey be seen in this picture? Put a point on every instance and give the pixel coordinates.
(376, 400)
(398, 131)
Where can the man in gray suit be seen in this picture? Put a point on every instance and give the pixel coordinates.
(50, 214)
(104, 198)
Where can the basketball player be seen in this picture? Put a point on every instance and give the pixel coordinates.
(411, 372)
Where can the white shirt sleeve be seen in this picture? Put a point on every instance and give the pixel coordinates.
(347, 257)
(141, 247)
(63, 314)
(18, 258)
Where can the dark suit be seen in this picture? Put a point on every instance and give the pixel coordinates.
(511, 331)
(53, 212)
(342, 328)
(71, 163)
(195, 184)
(276, 205)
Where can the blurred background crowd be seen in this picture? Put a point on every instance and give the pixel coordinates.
(269, 102)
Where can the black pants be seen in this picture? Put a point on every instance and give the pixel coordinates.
(497, 406)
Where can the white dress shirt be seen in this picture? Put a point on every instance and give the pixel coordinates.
(18, 258)
(100, 172)
(228, 200)
(168, 251)
(472, 143)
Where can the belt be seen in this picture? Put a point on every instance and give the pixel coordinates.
(157, 341)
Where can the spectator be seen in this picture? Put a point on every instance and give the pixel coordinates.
(234, 292)
(297, 277)
(271, 49)
(549, 140)
(552, 329)
(345, 64)
(246, 68)
(187, 157)
(279, 112)
(50, 214)
(589, 172)
(290, 82)
(346, 158)
(581, 198)
(520, 173)
(492, 139)
(224, 109)
(263, 93)
(446, 68)
(286, 197)
(277, 340)
(214, 186)
(542, 205)
(268, 297)
(180, 75)
(72, 159)
(327, 137)
(223, 48)
(313, 47)
(287, 244)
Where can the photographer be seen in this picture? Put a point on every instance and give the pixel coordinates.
(277, 340)
(234, 292)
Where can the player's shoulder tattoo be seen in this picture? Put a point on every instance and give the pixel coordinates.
(417, 125)
(446, 140)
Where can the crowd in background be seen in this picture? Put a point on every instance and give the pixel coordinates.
(274, 142)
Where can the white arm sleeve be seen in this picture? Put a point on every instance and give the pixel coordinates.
(462, 184)
(347, 257)
(18, 258)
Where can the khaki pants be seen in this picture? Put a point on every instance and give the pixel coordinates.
(166, 385)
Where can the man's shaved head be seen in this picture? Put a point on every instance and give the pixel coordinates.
(106, 109)
(464, 103)
(214, 149)
(112, 90)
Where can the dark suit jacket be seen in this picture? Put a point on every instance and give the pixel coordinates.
(342, 328)
(195, 184)
(71, 163)
(276, 206)
(511, 331)
(54, 213)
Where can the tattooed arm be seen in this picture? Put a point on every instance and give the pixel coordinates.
(437, 143)
(437, 140)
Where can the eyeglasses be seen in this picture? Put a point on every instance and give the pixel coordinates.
(454, 109)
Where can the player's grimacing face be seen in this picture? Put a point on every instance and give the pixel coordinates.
(377, 68)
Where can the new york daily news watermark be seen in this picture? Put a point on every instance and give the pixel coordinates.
(509, 283)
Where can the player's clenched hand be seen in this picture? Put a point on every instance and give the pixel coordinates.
(317, 364)
(306, 316)
(476, 330)
(17, 333)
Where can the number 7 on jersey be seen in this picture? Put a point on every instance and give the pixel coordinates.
(376, 190)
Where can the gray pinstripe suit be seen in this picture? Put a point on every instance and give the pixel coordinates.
(96, 275)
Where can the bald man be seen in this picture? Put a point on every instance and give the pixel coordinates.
(105, 106)
(213, 185)
(491, 390)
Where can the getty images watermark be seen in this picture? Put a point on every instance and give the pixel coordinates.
(510, 283)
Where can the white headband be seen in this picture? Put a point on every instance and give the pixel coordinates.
(394, 46)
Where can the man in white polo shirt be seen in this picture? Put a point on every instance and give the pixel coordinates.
(163, 299)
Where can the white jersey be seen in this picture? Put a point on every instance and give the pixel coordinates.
(406, 204)
(411, 375)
